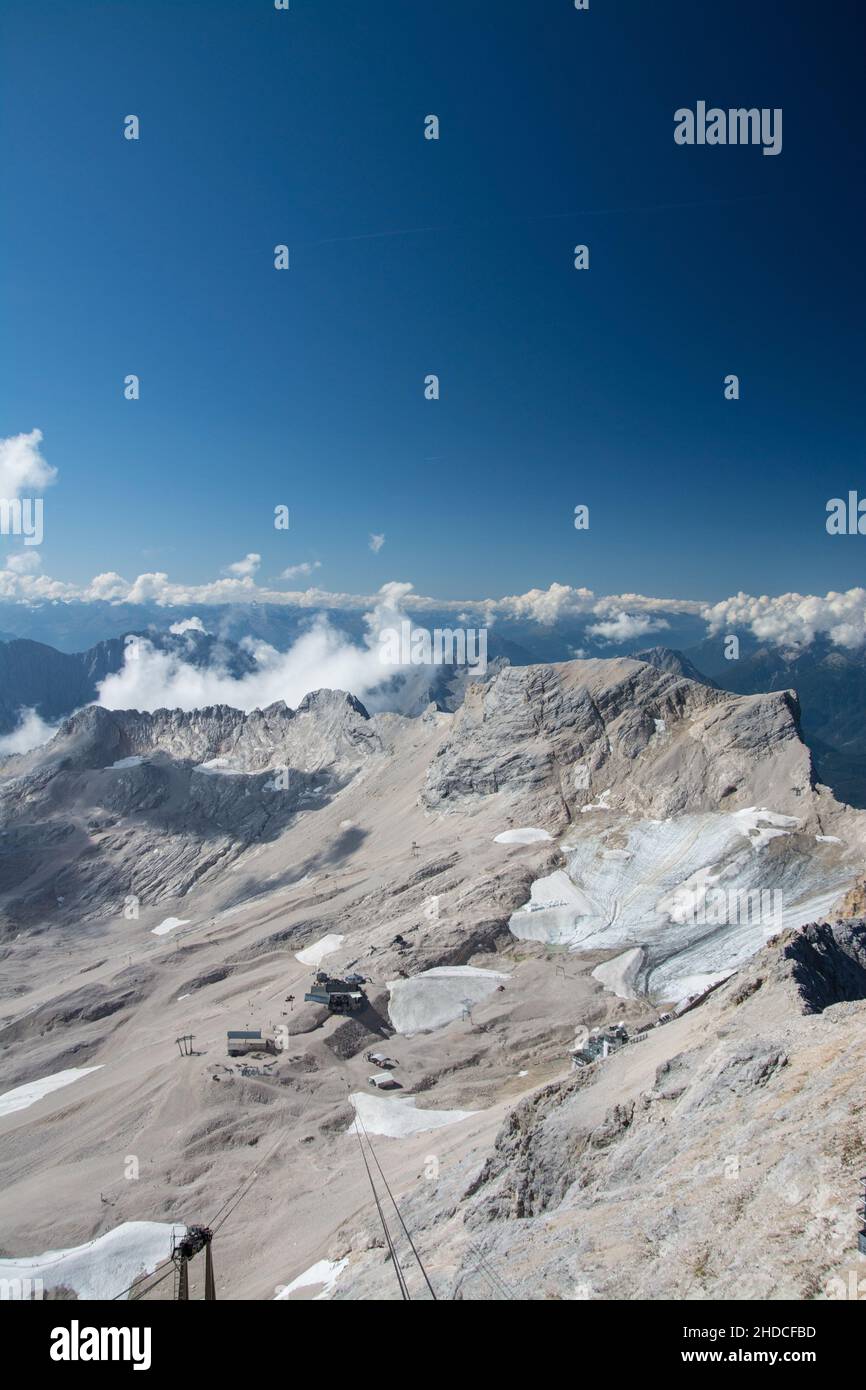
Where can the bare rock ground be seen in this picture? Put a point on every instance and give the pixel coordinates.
(720, 1155)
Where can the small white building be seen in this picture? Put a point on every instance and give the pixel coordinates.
(383, 1081)
(242, 1041)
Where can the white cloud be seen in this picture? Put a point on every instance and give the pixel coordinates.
(29, 588)
(547, 606)
(188, 625)
(625, 626)
(560, 601)
(305, 568)
(322, 658)
(615, 603)
(109, 586)
(32, 731)
(376, 542)
(786, 620)
(23, 562)
(23, 470)
(544, 606)
(794, 620)
(246, 567)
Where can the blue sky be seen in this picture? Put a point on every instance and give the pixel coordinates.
(455, 257)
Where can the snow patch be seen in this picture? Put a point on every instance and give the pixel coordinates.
(188, 625)
(555, 905)
(104, 1267)
(324, 1272)
(399, 1118)
(760, 826)
(315, 954)
(170, 924)
(135, 761)
(439, 996)
(619, 975)
(220, 767)
(22, 1097)
(644, 883)
(525, 836)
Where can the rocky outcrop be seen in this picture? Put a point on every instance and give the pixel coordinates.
(329, 728)
(655, 743)
(146, 805)
(827, 963)
(677, 663)
(717, 1159)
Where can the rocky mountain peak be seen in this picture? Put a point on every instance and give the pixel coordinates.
(652, 741)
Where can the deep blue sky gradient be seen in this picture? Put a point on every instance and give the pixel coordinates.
(454, 257)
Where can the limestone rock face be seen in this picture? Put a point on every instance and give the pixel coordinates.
(653, 742)
(328, 728)
(507, 877)
(827, 963)
(720, 1158)
(666, 659)
(149, 804)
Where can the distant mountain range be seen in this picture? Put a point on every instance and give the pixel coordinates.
(74, 626)
(830, 682)
(54, 683)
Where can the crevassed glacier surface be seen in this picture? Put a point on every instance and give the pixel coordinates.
(678, 890)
